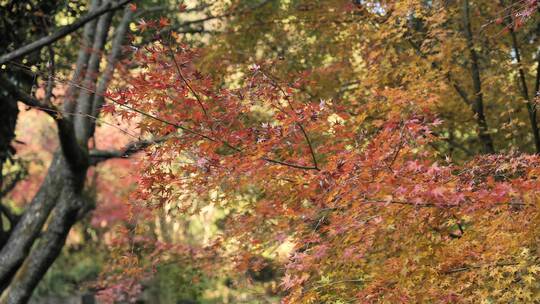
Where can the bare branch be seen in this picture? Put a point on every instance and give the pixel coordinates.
(159, 8)
(50, 78)
(27, 99)
(178, 27)
(98, 156)
(434, 205)
(468, 268)
(82, 62)
(310, 145)
(286, 164)
(85, 101)
(112, 60)
(275, 83)
(62, 32)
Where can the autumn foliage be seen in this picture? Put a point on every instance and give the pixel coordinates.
(334, 151)
(356, 187)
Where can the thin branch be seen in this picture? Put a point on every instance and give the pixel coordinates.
(222, 141)
(177, 126)
(159, 8)
(433, 205)
(314, 167)
(179, 71)
(468, 268)
(338, 282)
(275, 83)
(50, 78)
(310, 145)
(173, 28)
(62, 32)
(98, 156)
(112, 60)
(289, 164)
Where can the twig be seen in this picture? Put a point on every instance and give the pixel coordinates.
(97, 156)
(287, 98)
(467, 268)
(199, 101)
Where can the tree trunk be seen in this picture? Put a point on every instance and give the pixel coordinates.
(478, 105)
(29, 251)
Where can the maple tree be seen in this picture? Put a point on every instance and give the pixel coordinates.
(387, 147)
(358, 183)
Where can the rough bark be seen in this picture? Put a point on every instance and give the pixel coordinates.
(84, 102)
(49, 246)
(31, 222)
(81, 65)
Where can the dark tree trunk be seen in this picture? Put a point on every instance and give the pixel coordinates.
(32, 246)
(478, 104)
(8, 117)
